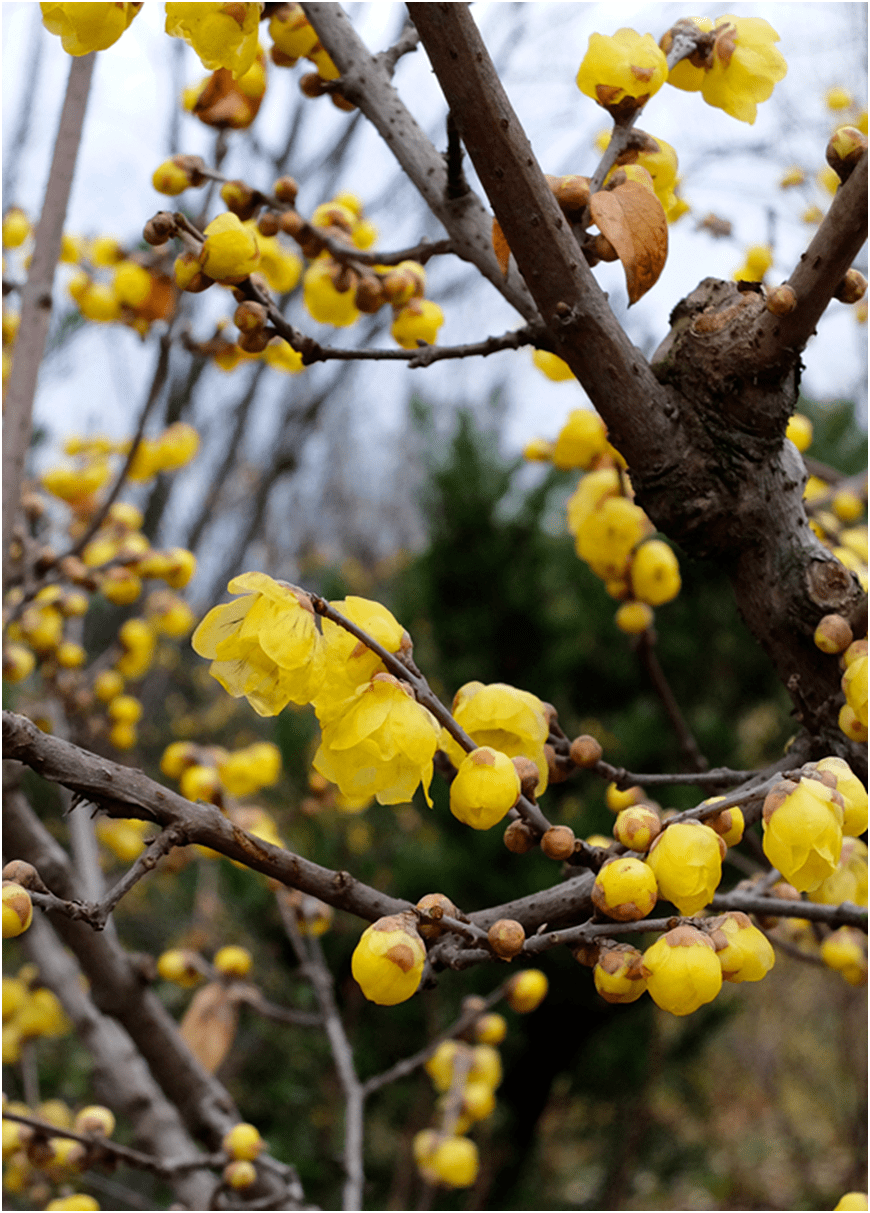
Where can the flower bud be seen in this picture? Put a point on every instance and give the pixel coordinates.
(585, 751)
(485, 789)
(250, 317)
(617, 800)
(833, 634)
(527, 990)
(803, 831)
(233, 961)
(506, 938)
(686, 860)
(159, 228)
(95, 1119)
(558, 842)
(17, 909)
(637, 827)
(618, 973)
(243, 1141)
(625, 889)
(844, 150)
(780, 300)
(729, 824)
(238, 197)
(387, 962)
(435, 905)
(852, 288)
(520, 838)
(744, 952)
(285, 190)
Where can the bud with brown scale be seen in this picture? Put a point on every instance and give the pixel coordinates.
(269, 223)
(285, 190)
(159, 228)
(369, 295)
(520, 838)
(780, 300)
(529, 776)
(853, 287)
(250, 317)
(239, 198)
(506, 938)
(844, 150)
(255, 342)
(435, 906)
(311, 85)
(558, 842)
(585, 751)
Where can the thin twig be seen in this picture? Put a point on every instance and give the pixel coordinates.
(650, 662)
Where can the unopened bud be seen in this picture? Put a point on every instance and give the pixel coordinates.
(853, 287)
(780, 300)
(159, 228)
(529, 775)
(250, 317)
(436, 906)
(285, 190)
(519, 838)
(833, 634)
(844, 150)
(585, 751)
(239, 198)
(506, 938)
(269, 223)
(254, 342)
(558, 842)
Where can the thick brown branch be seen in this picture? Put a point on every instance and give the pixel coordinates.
(585, 332)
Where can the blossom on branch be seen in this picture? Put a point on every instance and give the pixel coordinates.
(504, 718)
(382, 744)
(83, 28)
(223, 35)
(265, 646)
(622, 73)
(741, 68)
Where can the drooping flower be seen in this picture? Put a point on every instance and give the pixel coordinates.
(264, 646)
(231, 252)
(682, 971)
(381, 744)
(744, 952)
(622, 73)
(803, 831)
(223, 35)
(504, 718)
(741, 69)
(387, 962)
(486, 787)
(350, 663)
(686, 860)
(83, 28)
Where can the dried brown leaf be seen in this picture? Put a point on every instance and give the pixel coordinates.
(209, 1024)
(501, 248)
(633, 220)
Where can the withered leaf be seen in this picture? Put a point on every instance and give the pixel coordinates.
(500, 247)
(633, 220)
(209, 1024)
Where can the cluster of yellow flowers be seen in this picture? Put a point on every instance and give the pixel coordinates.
(207, 772)
(739, 69)
(612, 534)
(29, 1011)
(114, 561)
(30, 1160)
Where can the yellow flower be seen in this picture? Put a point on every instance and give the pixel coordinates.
(625, 889)
(581, 440)
(504, 718)
(527, 991)
(845, 950)
(618, 974)
(419, 320)
(281, 355)
(682, 971)
(231, 251)
(223, 35)
(325, 303)
(246, 771)
(450, 1161)
(742, 68)
(264, 646)
(854, 683)
(606, 537)
(622, 72)
(803, 831)
(486, 787)
(291, 32)
(686, 860)
(552, 366)
(848, 881)
(349, 663)
(853, 792)
(382, 744)
(655, 573)
(16, 229)
(387, 963)
(281, 268)
(83, 28)
(744, 952)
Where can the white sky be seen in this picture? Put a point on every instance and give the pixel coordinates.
(128, 116)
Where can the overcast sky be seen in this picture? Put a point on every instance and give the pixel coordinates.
(129, 115)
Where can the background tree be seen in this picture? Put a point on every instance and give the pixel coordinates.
(494, 596)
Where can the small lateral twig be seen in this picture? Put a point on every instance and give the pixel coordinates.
(650, 662)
